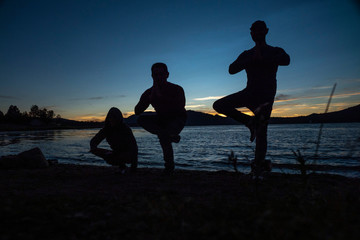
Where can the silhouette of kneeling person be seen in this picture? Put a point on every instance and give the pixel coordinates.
(261, 64)
(121, 140)
(168, 100)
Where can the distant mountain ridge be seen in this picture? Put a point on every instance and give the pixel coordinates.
(194, 119)
(351, 114)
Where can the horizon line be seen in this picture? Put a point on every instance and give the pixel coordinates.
(98, 119)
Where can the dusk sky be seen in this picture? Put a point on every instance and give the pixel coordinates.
(81, 57)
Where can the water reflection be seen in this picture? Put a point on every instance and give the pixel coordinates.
(203, 148)
(4, 142)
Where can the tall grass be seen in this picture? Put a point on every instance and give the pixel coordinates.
(301, 160)
(322, 124)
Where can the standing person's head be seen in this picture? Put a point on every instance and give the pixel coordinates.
(258, 31)
(113, 118)
(159, 73)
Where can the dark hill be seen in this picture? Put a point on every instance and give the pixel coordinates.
(199, 118)
(351, 114)
(194, 119)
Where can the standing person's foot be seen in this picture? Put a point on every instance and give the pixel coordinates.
(133, 170)
(122, 169)
(262, 170)
(267, 166)
(167, 172)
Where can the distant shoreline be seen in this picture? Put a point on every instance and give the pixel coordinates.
(349, 115)
(15, 128)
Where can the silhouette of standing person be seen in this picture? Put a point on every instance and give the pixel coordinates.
(121, 140)
(261, 64)
(168, 100)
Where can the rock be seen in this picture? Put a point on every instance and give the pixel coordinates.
(9, 162)
(30, 159)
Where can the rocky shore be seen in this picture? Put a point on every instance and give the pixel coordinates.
(89, 202)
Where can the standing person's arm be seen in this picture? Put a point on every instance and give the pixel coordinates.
(240, 63)
(180, 100)
(175, 101)
(281, 58)
(143, 103)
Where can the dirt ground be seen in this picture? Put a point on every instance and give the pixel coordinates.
(90, 202)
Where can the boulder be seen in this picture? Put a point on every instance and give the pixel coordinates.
(30, 159)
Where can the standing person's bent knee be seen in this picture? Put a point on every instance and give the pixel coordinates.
(141, 120)
(219, 106)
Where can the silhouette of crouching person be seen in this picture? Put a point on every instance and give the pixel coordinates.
(122, 142)
(168, 100)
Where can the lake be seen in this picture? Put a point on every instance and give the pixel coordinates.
(207, 147)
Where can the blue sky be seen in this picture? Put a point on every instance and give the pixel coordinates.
(79, 58)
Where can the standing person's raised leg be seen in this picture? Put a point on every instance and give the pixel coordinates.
(150, 123)
(228, 106)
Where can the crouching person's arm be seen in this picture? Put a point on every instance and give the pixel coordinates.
(96, 140)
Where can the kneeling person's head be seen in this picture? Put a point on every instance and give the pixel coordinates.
(114, 117)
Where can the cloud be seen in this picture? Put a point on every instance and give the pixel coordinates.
(195, 106)
(127, 114)
(343, 95)
(287, 98)
(49, 107)
(89, 119)
(351, 80)
(306, 89)
(322, 87)
(98, 117)
(8, 97)
(208, 98)
(282, 97)
(97, 98)
(298, 99)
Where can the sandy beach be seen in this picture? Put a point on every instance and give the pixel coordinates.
(89, 202)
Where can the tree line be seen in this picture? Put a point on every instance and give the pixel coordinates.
(13, 115)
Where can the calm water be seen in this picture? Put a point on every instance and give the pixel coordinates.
(204, 147)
